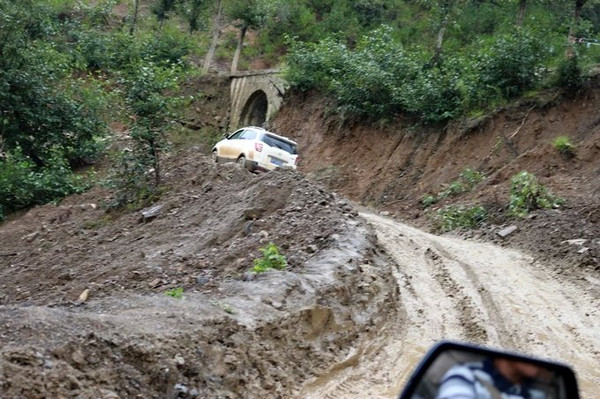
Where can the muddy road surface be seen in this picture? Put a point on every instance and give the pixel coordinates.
(85, 309)
(464, 290)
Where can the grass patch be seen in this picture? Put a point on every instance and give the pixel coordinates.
(564, 146)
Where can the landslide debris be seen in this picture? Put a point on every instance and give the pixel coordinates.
(232, 333)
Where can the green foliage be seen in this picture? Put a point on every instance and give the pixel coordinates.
(471, 177)
(467, 180)
(176, 293)
(453, 217)
(511, 62)
(271, 259)
(379, 77)
(569, 75)
(427, 200)
(527, 194)
(563, 145)
(23, 183)
(136, 174)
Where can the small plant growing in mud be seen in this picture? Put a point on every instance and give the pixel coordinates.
(563, 145)
(176, 293)
(271, 259)
(527, 194)
(453, 217)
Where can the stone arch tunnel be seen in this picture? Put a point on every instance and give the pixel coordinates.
(255, 97)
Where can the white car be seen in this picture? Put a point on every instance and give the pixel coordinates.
(256, 149)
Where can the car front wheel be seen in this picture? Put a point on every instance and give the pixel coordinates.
(241, 161)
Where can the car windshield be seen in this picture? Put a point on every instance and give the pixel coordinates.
(280, 143)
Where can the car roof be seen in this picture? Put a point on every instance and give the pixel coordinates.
(270, 133)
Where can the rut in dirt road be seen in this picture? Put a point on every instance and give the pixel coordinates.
(469, 291)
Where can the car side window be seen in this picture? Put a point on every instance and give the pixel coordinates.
(249, 135)
(236, 135)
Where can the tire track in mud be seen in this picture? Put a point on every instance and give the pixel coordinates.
(476, 292)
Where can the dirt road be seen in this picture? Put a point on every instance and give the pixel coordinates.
(456, 289)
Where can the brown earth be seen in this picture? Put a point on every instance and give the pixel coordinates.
(83, 310)
(392, 167)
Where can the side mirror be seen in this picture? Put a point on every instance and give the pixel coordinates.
(454, 370)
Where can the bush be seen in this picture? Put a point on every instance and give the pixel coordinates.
(453, 217)
(510, 64)
(271, 259)
(563, 145)
(527, 194)
(23, 184)
(569, 75)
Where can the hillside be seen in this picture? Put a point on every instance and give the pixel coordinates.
(392, 167)
(84, 311)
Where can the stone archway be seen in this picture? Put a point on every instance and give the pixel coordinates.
(254, 112)
(255, 97)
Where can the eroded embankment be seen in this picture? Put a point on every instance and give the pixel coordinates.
(232, 334)
(470, 291)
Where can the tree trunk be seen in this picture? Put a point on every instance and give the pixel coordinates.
(570, 52)
(437, 54)
(215, 38)
(135, 16)
(238, 50)
(521, 15)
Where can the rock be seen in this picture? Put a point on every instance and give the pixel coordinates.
(151, 213)
(78, 357)
(84, 295)
(202, 280)
(505, 232)
(311, 249)
(194, 393)
(578, 241)
(384, 213)
(30, 237)
(155, 283)
(179, 360)
(248, 228)
(263, 234)
(180, 390)
(249, 276)
(107, 394)
(207, 186)
(253, 213)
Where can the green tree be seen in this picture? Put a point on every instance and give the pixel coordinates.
(247, 14)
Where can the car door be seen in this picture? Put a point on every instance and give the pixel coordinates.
(230, 147)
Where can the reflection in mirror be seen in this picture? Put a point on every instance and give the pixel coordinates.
(475, 373)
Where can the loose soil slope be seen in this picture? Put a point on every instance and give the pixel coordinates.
(233, 333)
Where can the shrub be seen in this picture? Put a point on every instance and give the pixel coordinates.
(453, 217)
(510, 64)
(471, 177)
(527, 194)
(427, 200)
(271, 259)
(569, 75)
(563, 145)
(23, 184)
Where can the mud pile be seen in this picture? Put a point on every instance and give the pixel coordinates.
(83, 307)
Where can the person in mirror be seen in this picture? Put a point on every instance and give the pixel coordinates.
(491, 379)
